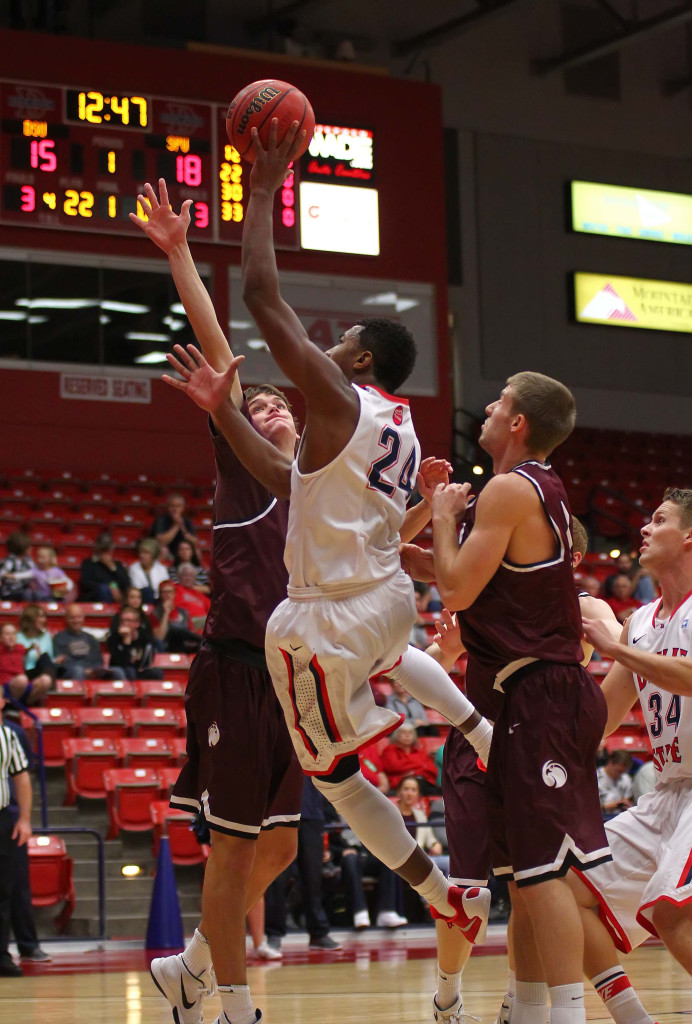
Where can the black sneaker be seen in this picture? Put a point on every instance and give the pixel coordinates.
(325, 942)
(9, 969)
(274, 941)
(36, 956)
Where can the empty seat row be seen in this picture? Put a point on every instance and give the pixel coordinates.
(86, 760)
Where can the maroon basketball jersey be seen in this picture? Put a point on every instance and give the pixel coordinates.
(525, 610)
(248, 576)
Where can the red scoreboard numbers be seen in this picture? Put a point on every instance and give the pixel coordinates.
(78, 157)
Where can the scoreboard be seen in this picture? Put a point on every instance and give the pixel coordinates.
(78, 158)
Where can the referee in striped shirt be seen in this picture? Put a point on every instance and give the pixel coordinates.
(13, 763)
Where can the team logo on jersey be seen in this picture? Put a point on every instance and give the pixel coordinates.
(213, 734)
(398, 415)
(554, 774)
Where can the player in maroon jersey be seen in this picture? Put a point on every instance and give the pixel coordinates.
(509, 577)
(242, 771)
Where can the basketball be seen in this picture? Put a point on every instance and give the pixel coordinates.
(257, 104)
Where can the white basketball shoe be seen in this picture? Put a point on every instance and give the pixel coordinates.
(184, 990)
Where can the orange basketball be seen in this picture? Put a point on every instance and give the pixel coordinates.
(257, 104)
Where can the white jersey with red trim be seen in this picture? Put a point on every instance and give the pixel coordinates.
(668, 716)
(344, 519)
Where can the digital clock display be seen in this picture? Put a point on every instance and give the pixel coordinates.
(77, 158)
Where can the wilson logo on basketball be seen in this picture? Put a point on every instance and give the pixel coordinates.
(554, 774)
(255, 107)
(398, 415)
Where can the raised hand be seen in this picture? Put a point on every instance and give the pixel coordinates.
(271, 164)
(431, 473)
(165, 228)
(207, 388)
(447, 636)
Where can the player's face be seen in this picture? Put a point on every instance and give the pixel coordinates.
(662, 538)
(499, 416)
(345, 352)
(272, 417)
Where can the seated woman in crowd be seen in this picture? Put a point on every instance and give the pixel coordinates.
(147, 573)
(408, 801)
(186, 553)
(51, 583)
(38, 643)
(403, 755)
(14, 680)
(130, 646)
(189, 597)
(172, 627)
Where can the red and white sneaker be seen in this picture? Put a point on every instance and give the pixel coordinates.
(471, 908)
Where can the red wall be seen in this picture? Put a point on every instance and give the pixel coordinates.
(40, 429)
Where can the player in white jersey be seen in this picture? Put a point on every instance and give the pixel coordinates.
(647, 889)
(350, 607)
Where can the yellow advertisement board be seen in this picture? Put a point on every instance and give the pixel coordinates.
(631, 212)
(633, 302)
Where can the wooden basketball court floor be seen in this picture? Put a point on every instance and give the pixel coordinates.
(378, 978)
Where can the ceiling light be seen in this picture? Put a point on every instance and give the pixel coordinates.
(146, 336)
(258, 344)
(477, 471)
(172, 324)
(48, 303)
(11, 314)
(240, 325)
(391, 299)
(124, 307)
(151, 357)
(177, 307)
(38, 319)
(615, 553)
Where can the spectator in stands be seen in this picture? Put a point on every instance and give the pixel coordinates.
(419, 635)
(187, 595)
(130, 646)
(18, 569)
(404, 756)
(38, 642)
(187, 553)
(643, 588)
(591, 585)
(14, 680)
(133, 600)
(644, 781)
(404, 704)
(356, 863)
(371, 767)
(78, 653)
(102, 577)
(172, 625)
(147, 573)
(408, 795)
(615, 784)
(51, 582)
(173, 526)
(621, 600)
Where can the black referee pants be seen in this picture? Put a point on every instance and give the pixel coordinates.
(6, 878)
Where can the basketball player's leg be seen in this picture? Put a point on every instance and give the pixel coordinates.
(526, 1001)
(673, 922)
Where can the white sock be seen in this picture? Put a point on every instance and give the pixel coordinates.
(529, 1003)
(197, 954)
(567, 1004)
(236, 1004)
(622, 1002)
(509, 998)
(434, 891)
(448, 988)
(511, 983)
(427, 681)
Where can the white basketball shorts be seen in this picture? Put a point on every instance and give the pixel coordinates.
(321, 655)
(652, 861)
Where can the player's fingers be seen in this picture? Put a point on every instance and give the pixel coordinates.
(177, 365)
(163, 192)
(185, 208)
(273, 133)
(297, 142)
(145, 204)
(151, 195)
(195, 356)
(137, 220)
(174, 383)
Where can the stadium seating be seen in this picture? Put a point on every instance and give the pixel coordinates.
(129, 795)
(102, 721)
(166, 693)
(153, 721)
(57, 724)
(147, 752)
(185, 849)
(50, 876)
(85, 762)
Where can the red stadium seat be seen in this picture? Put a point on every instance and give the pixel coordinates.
(180, 750)
(57, 724)
(118, 693)
(168, 777)
(182, 841)
(67, 693)
(102, 721)
(85, 762)
(153, 721)
(129, 796)
(164, 693)
(147, 752)
(50, 876)
(176, 666)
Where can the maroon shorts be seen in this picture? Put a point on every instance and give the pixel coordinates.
(466, 812)
(543, 806)
(242, 771)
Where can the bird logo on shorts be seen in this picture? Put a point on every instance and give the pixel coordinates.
(554, 774)
(213, 734)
